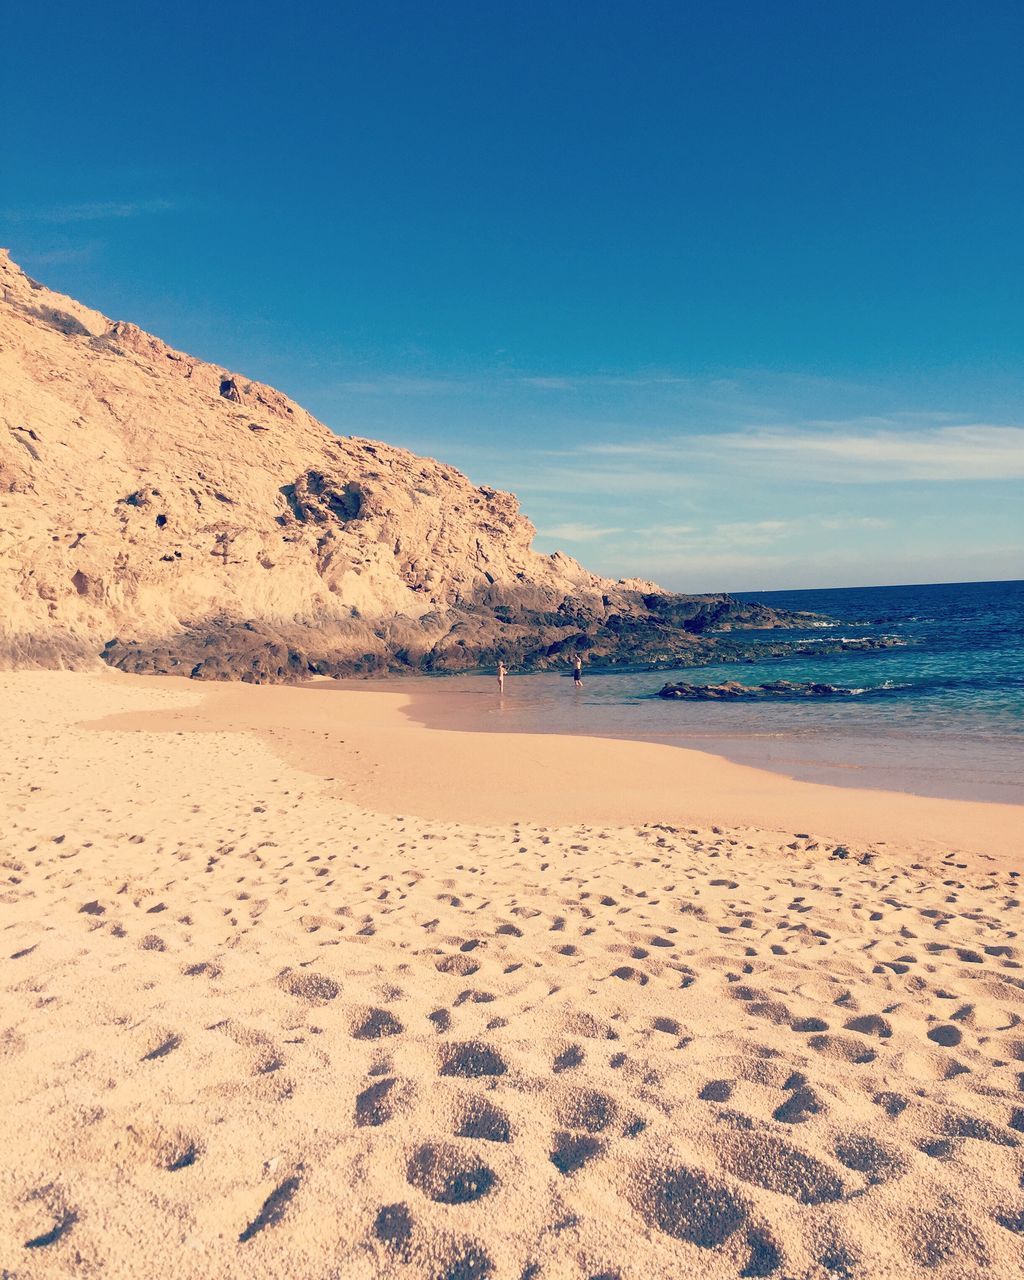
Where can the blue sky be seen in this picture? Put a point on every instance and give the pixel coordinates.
(729, 294)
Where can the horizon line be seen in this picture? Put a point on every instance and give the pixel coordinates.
(870, 586)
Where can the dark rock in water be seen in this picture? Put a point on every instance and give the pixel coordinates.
(859, 644)
(826, 645)
(732, 691)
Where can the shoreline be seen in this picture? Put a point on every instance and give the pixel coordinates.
(390, 764)
(900, 763)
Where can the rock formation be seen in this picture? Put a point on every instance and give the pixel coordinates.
(171, 515)
(732, 691)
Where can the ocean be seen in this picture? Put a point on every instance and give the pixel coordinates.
(942, 714)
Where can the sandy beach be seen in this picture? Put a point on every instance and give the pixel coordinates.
(294, 986)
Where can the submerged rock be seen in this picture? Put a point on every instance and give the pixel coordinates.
(732, 691)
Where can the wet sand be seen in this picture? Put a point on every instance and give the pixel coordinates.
(821, 742)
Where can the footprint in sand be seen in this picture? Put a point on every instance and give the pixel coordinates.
(870, 1024)
(802, 1103)
(393, 1227)
(448, 1174)
(586, 1109)
(317, 988)
(375, 1024)
(571, 1152)
(946, 1036)
(460, 965)
(568, 1059)
(379, 1102)
(47, 1208)
(57, 1232)
(471, 1059)
(765, 1161)
(864, 1155)
(272, 1210)
(165, 1046)
(693, 1206)
(480, 1119)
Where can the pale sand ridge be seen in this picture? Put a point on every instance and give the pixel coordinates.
(251, 1027)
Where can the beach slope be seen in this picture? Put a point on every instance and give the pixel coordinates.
(294, 987)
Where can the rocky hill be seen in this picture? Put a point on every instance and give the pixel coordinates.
(171, 515)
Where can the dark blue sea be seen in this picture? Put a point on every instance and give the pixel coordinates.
(960, 667)
(941, 714)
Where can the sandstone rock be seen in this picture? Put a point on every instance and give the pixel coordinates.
(173, 515)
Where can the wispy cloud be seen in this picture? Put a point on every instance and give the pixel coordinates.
(760, 459)
(735, 391)
(402, 386)
(503, 383)
(847, 523)
(671, 530)
(712, 540)
(548, 384)
(855, 452)
(88, 211)
(971, 452)
(802, 530)
(591, 381)
(574, 531)
(753, 532)
(565, 477)
(64, 255)
(751, 478)
(739, 478)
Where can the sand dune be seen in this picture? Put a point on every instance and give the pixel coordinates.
(605, 1025)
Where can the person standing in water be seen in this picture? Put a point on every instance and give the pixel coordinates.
(502, 673)
(577, 672)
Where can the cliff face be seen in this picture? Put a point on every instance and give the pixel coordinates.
(175, 516)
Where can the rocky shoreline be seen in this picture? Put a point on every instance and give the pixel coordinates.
(652, 631)
(733, 691)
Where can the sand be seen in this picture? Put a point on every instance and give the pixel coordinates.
(293, 987)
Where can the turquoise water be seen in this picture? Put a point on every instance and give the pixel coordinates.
(961, 667)
(943, 714)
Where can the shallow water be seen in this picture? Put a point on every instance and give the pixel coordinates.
(941, 715)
